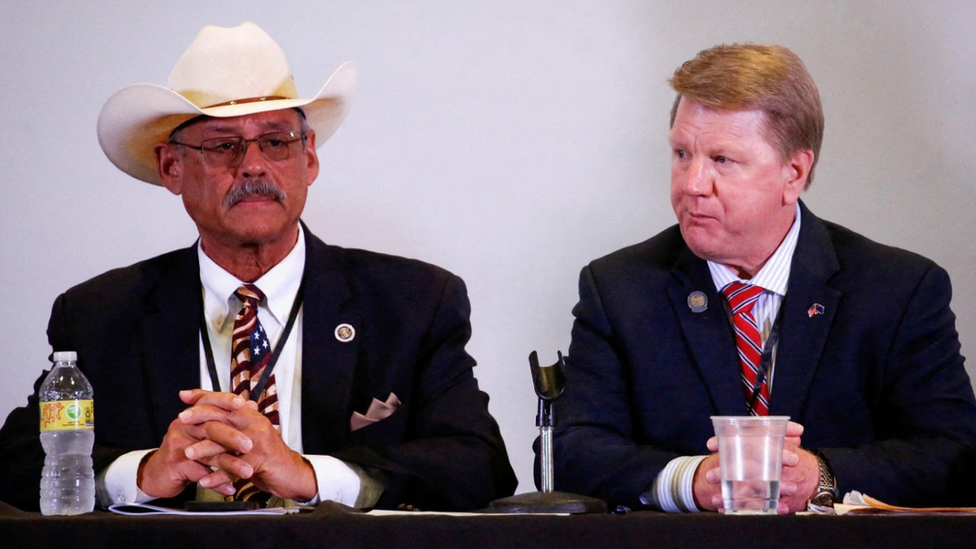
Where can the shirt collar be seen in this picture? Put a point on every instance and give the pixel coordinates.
(775, 274)
(279, 285)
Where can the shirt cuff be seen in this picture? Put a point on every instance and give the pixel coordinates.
(336, 481)
(673, 490)
(117, 483)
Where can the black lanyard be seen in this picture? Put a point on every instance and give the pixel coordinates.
(765, 363)
(212, 367)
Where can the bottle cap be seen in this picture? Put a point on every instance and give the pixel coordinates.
(65, 356)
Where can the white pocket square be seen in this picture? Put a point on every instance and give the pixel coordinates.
(377, 411)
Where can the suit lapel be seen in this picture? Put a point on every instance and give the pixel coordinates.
(328, 364)
(708, 333)
(170, 338)
(804, 332)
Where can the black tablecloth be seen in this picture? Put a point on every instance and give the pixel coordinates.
(331, 525)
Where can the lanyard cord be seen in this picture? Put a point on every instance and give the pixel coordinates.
(765, 363)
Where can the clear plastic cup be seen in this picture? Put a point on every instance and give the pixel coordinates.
(750, 454)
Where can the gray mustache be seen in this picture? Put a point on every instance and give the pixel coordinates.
(261, 187)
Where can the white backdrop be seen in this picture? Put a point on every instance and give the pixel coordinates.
(509, 141)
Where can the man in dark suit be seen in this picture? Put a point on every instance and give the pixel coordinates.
(857, 342)
(369, 397)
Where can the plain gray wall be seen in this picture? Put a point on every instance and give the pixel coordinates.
(509, 141)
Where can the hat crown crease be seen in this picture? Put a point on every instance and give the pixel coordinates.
(224, 65)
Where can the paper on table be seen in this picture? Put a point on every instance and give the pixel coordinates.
(147, 509)
(856, 503)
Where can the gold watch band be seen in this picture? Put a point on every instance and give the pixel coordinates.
(826, 492)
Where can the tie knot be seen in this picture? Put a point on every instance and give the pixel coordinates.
(250, 295)
(741, 297)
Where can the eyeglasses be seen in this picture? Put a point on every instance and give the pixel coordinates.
(229, 152)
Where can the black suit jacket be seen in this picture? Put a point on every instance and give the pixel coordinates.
(136, 331)
(877, 379)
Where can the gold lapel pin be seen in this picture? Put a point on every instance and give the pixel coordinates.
(345, 332)
(698, 302)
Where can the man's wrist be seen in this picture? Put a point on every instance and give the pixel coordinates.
(142, 466)
(310, 486)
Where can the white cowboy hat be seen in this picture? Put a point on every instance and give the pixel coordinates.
(225, 72)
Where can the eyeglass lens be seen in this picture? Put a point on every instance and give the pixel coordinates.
(228, 151)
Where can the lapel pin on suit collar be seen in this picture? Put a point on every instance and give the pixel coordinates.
(698, 302)
(345, 333)
(815, 309)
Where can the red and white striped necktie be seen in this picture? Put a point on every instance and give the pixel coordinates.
(742, 298)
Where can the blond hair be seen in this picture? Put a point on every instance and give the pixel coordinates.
(768, 78)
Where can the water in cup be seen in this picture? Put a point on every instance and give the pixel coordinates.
(750, 497)
(750, 451)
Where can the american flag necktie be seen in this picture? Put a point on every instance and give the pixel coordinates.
(250, 353)
(742, 298)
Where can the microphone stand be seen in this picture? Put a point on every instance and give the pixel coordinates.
(549, 382)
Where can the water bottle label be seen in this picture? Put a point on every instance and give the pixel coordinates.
(67, 414)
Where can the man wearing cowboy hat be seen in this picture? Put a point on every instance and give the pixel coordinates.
(368, 397)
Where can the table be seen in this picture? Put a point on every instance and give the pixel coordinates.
(331, 525)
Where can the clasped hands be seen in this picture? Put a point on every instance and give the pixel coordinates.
(800, 475)
(219, 438)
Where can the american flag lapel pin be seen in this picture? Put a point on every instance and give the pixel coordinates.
(815, 309)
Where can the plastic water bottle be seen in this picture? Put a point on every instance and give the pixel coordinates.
(67, 435)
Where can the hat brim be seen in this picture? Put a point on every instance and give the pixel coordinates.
(139, 116)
